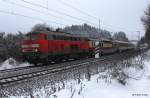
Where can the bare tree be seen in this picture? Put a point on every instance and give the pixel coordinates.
(121, 36)
(146, 21)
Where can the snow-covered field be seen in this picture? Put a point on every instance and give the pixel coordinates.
(11, 63)
(103, 85)
(106, 88)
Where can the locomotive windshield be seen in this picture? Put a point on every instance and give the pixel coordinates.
(31, 37)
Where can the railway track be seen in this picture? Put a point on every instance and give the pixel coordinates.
(16, 75)
(26, 67)
(30, 68)
(15, 69)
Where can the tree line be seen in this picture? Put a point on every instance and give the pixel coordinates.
(10, 45)
(146, 22)
(85, 30)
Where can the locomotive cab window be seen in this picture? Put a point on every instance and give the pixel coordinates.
(31, 37)
(49, 37)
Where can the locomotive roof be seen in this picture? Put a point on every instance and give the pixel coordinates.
(125, 42)
(56, 33)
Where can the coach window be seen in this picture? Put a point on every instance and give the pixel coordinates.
(71, 38)
(60, 38)
(57, 37)
(49, 37)
(54, 37)
(101, 44)
(65, 38)
(79, 39)
(74, 39)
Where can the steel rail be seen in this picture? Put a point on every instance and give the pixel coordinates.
(56, 68)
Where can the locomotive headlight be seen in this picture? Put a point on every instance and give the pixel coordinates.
(23, 50)
(31, 46)
(24, 46)
(35, 45)
(36, 50)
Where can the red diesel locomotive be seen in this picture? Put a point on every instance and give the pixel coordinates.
(54, 46)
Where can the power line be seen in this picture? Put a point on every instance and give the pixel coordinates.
(35, 10)
(55, 11)
(29, 17)
(99, 26)
(68, 5)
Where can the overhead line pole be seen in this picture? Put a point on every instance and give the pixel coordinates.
(99, 25)
(139, 33)
(99, 28)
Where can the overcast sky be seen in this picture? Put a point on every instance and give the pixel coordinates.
(114, 15)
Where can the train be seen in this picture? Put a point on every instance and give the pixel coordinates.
(47, 46)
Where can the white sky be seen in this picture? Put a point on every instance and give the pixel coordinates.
(115, 15)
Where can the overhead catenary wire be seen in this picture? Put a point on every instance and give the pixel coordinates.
(58, 12)
(82, 12)
(35, 10)
(55, 11)
(35, 18)
(85, 13)
(29, 17)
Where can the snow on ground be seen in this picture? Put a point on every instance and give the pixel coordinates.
(103, 86)
(136, 87)
(11, 63)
